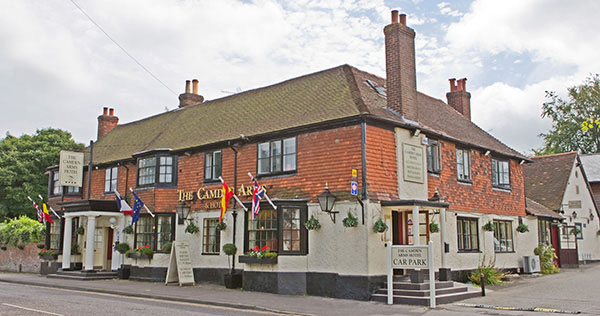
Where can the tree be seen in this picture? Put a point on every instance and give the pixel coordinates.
(576, 120)
(23, 163)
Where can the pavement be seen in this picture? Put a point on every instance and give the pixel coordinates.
(571, 291)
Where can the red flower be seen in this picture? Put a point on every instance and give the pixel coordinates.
(44, 249)
(256, 249)
(263, 248)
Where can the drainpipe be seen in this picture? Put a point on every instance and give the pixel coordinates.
(234, 213)
(89, 182)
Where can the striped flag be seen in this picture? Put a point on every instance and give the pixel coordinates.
(48, 206)
(227, 195)
(257, 194)
(122, 205)
(40, 215)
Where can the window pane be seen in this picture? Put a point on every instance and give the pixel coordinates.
(217, 165)
(291, 229)
(263, 150)
(211, 242)
(276, 156)
(164, 232)
(263, 230)
(208, 166)
(263, 165)
(289, 146)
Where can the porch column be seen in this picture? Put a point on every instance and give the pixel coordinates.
(89, 244)
(116, 256)
(66, 264)
(416, 229)
(443, 235)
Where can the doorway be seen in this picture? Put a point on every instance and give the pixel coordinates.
(402, 227)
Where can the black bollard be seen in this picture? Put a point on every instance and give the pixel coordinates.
(482, 282)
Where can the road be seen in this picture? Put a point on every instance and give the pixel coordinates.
(28, 300)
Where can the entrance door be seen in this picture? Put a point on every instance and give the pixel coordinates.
(555, 241)
(109, 249)
(567, 254)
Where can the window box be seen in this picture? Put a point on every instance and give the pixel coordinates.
(49, 257)
(255, 260)
(134, 255)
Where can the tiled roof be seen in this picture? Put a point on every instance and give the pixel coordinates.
(546, 178)
(591, 165)
(536, 209)
(337, 93)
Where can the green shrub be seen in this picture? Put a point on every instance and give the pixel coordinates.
(167, 247)
(122, 247)
(547, 256)
(491, 275)
(128, 230)
(229, 249)
(21, 231)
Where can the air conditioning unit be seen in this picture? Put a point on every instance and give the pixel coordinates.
(531, 264)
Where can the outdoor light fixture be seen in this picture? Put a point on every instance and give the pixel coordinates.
(326, 202)
(574, 214)
(591, 216)
(487, 153)
(416, 132)
(183, 210)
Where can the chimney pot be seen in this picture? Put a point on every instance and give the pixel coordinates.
(105, 111)
(111, 112)
(452, 84)
(394, 16)
(187, 86)
(462, 84)
(459, 98)
(195, 86)
(106, 122)
(403, 19)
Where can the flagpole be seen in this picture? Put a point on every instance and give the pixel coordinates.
(49, 206)
(268, 199)
(235, 197)
(147, 209)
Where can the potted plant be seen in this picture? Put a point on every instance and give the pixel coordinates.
(46, 254)
(191, 228)
(232, 280)
(350, 221)
(79, 230)
(128, 230)
(312, 223)
(258, 255)
(522, 228)
(140, 252)
(489, 226)
(434, 227)
(379, 226)
(122, 247)
(221, 226)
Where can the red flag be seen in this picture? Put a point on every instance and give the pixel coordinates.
(227, 195)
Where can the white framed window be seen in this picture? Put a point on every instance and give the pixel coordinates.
(463, 164)
(110, 179)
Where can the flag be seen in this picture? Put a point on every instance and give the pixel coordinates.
(227, 195)
(257, 194)
(39, 211)
(50, 207)
(137, 206)
(122, 204)
(46, 213)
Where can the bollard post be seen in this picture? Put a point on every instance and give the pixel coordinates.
(482, 282)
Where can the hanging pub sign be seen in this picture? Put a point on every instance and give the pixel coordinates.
(70, 169)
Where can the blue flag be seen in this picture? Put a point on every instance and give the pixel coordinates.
(137, 206)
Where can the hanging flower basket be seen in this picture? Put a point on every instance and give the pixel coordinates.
(312, 223)
(489, 226)
(434, 227)
(79, 230)
(350, 221)
(221, 226)
(128, 230)
(192, 228)
(380, 226)
(522, 228)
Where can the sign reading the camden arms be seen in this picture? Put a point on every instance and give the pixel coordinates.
(213, 197)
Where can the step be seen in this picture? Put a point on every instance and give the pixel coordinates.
(456, 289)
(424, 301)
(83, 276)
(406, 285)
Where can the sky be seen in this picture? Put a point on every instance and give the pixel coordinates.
(58, 69)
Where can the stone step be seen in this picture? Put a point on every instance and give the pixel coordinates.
(424, 301)
(407, 285)
(448, 290)
(83, 275)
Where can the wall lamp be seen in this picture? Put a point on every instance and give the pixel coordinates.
(574, 214)
(326, 202)
(487, 153)
(183, 210)
(416, 132)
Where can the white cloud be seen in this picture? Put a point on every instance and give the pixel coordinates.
(446, 10)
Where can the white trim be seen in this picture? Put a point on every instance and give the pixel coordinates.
(94, 213)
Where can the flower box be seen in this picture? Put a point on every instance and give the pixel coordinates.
(255, 260)
(134, 255)
(49, 257)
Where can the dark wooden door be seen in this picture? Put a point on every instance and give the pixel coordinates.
(109, 244)
(555, 242)
(567, 254)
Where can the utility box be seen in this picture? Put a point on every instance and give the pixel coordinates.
(531, 264)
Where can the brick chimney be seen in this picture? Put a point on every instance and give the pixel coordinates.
(190, 98)
(400, 67)
(459, 98)
(106, 122)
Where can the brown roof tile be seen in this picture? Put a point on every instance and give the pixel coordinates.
(536, 209)
(546, 178)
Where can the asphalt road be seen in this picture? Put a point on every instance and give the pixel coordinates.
(24, 300)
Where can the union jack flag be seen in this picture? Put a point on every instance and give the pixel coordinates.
(257, 194)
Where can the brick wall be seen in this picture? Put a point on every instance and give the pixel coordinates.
(479, 196)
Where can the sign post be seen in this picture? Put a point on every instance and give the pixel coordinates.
(410, 257)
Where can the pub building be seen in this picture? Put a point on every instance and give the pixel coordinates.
(422, 166)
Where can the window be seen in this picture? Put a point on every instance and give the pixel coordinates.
(544, 231)
(433, 156)
(503, 236)
(500, 173)
(212, 165)
(211, 238)
(154, 231)
(468, 234)
(156, 170)
(463, 165)
(98, 234)
(281, 230)
(277, 156)
(57, 189)
(579, 230)
(110, 179)
(55, 229)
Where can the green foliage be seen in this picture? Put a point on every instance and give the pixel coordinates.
(229, 249)
(489, 226)
(167, 247)
(141, 250)
(122, 247)
(74, 249)
(433, 227)
(312, 223)
(264, 252)
(191, 228)
(45, 252)
(23, 162)
(522, 228)
(128, 230)
(574, 120)
(379, 226)
(547, 256)
(350, 221)
(491, 275)
(79, 230)
(21, 231)
(221, 226)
